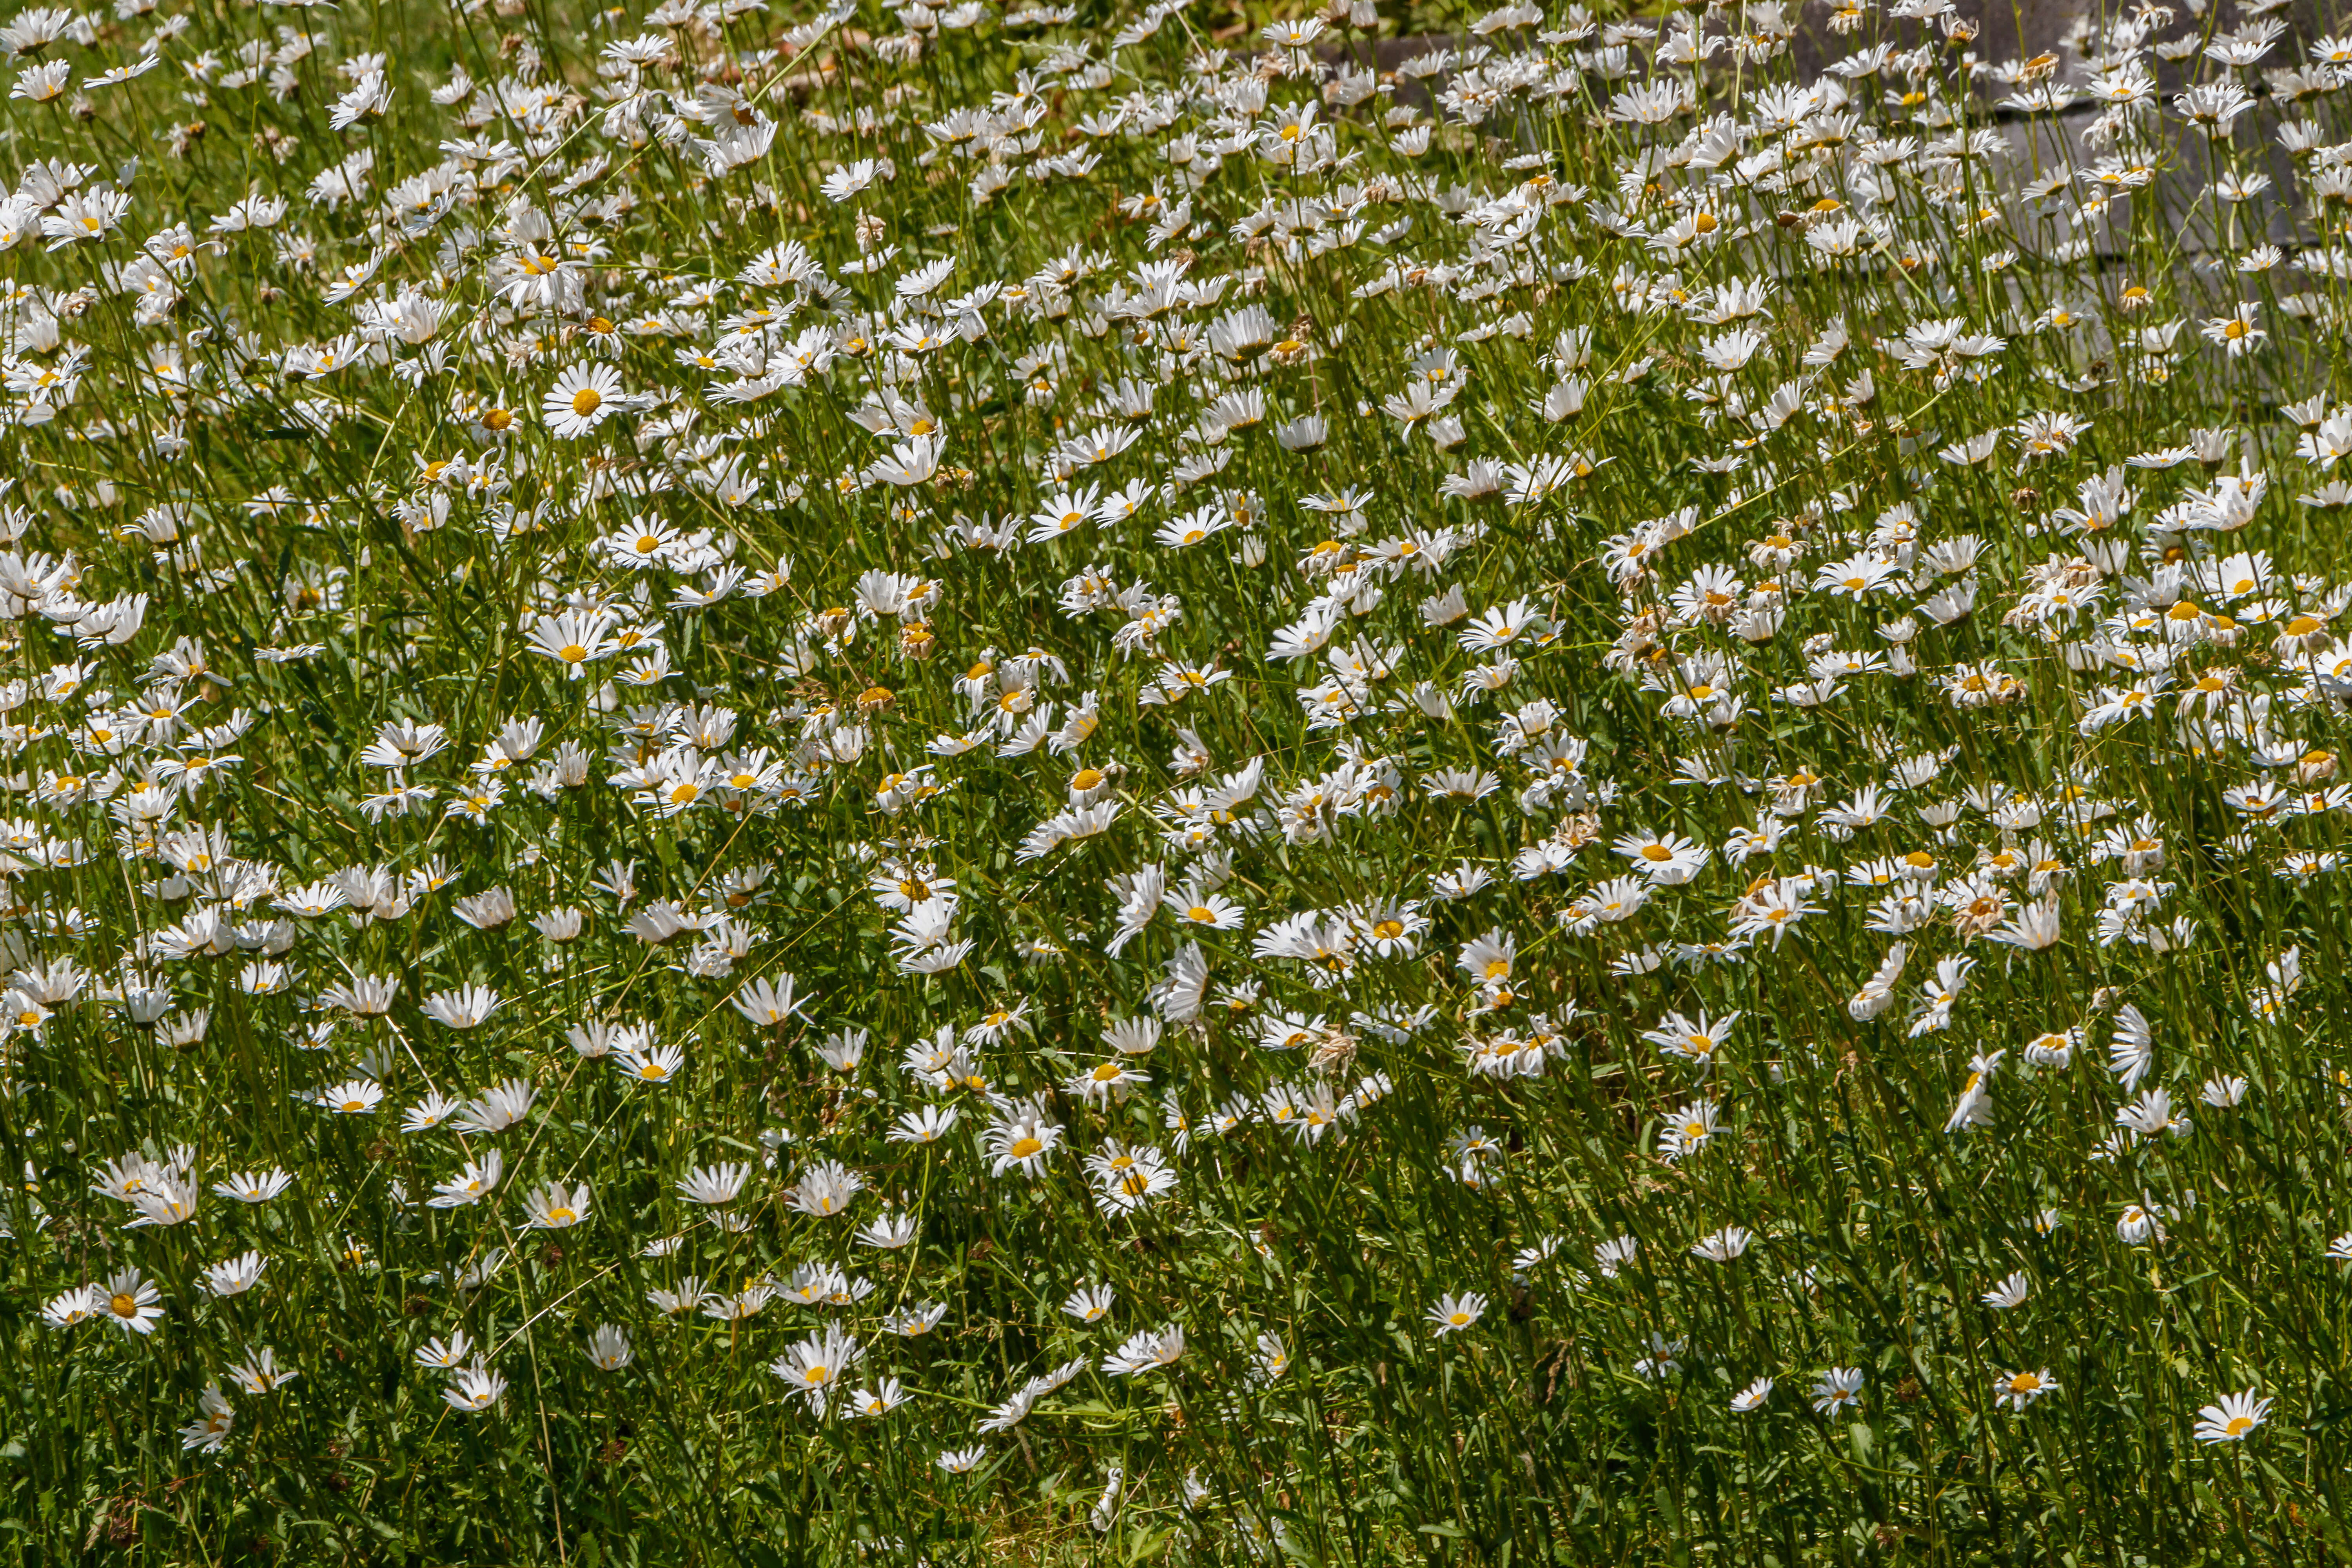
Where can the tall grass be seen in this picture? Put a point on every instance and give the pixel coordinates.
(947, 785)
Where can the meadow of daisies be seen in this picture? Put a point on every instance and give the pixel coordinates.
(1067, 784)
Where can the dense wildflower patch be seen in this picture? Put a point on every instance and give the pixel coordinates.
(924, 782)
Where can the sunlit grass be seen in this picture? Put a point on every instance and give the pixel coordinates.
(945, 787)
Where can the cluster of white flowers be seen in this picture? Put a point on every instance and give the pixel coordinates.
(721, 681)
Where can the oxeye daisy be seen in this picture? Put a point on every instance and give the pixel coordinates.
(1451, 1314)
(1837, 1390)
(2234, 1419)
(2019, 1389)
(582, 397)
